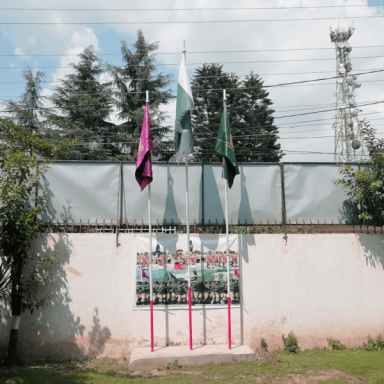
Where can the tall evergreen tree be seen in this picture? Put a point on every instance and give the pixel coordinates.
(207, 84)
(256, 133)
(28, 112)
(131, 81)
(251, 119)
(85, 106)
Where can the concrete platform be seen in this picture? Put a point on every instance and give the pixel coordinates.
(143, 358)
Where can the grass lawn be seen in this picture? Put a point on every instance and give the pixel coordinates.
(314, 366)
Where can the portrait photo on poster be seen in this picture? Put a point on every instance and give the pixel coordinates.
(207, 258)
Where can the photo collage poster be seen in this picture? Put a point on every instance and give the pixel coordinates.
(208, 265)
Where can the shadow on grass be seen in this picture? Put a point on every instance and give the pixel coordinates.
(78, 377)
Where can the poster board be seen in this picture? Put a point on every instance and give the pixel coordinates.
(208, 270)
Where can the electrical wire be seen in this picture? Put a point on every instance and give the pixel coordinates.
(230, 89)
(191, 21)
(189, 9)
(200, 77)
(201, 63)
(190, 52)
(263, 113)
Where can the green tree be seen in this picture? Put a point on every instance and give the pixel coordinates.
(84, 106)
(130, 82)
(29, 112)
(23, 162)
(251, 118)
(207, 85)
(256, 135)
(365, 187)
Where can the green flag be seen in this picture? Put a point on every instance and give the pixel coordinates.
(184, 104)
(224, 146)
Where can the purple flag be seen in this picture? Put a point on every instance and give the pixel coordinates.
(144, 163)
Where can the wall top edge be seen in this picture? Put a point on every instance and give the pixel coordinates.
(199, 163)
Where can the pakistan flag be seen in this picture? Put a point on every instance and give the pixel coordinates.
(224, 146)
(184, 104)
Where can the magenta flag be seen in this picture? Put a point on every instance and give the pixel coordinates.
(144, 162)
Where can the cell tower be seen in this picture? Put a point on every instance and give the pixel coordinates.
(349, 143)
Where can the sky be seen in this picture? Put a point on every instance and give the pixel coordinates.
(281, 48)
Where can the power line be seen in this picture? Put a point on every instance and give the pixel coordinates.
(192, 52)
(189, 22)
(224, 62)
(230, 89)
(200, 77)
(296, 124)
(188, 9)
(262, 112)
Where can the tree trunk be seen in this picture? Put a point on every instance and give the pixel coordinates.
(16, 312)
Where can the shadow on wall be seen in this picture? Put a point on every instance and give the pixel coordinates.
(55, 332)
(170, 212)
(373, 246)
(5, 315)
(51, 214)
(245, 215)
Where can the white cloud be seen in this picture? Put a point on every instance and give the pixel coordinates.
(21, 55)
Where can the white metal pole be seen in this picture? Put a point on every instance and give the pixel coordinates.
(188, 237)
(227, 235)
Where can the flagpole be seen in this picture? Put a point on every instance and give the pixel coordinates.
(227, 235)
(150, 249)
(188, 238)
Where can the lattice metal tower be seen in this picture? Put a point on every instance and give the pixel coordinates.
(349, 143)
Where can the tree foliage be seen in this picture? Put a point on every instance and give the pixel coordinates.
(29, 111)
(130, 82)
(251, 118)
(24, 158)
(365, 187)
(84, 105)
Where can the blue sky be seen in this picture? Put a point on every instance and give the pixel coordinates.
(299, 133)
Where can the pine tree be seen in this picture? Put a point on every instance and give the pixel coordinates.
(207, 85)
(29, 112)
(131, 81)
(255, 132)
(251, 119)
(85, 106)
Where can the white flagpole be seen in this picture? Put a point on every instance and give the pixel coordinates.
(150, 250)
(188, 238)
(227, 233)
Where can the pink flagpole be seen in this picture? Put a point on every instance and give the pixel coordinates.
(190, 317)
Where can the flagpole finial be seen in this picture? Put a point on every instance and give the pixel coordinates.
(184, 47)
(147, 96)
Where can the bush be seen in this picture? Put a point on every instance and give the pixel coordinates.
(374, 345)
(336, 345)
(290, 343)
(263, 343)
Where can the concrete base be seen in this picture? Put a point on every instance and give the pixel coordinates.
(143, 358)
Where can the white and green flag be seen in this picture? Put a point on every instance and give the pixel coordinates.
(184, 104)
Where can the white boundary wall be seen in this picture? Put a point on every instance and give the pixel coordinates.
(316, 285)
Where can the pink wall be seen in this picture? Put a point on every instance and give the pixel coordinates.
(318, 286)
